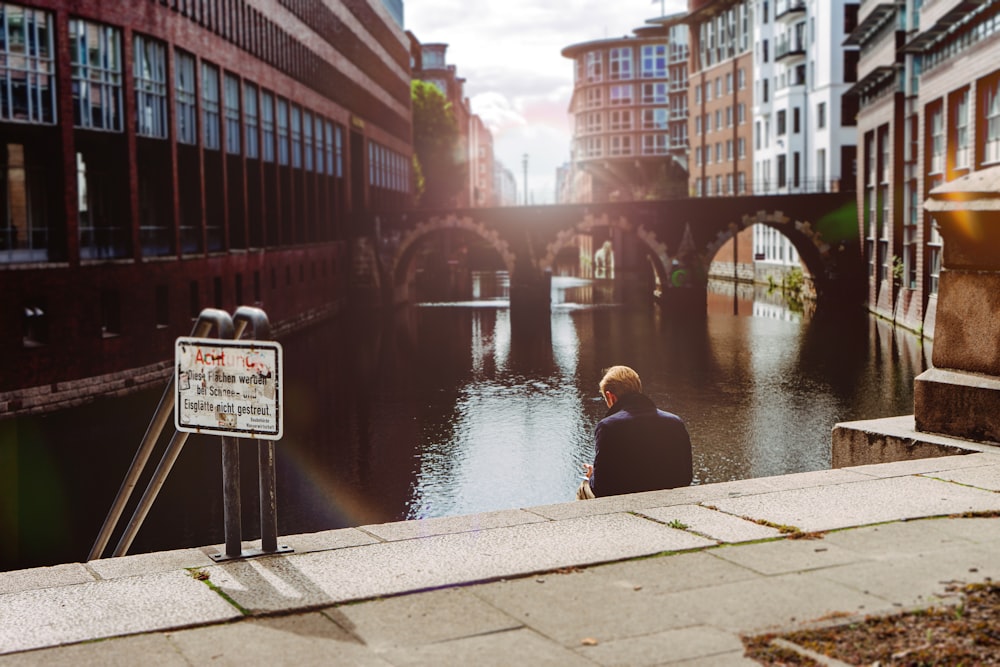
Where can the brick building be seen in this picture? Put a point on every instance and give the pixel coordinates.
(162, 157)
(929, 98)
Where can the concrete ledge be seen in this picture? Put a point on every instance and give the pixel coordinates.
(894, 439)
(958, 403)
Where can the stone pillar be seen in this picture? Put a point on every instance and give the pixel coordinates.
(960, 395)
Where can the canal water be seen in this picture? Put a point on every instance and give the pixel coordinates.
(449, 408)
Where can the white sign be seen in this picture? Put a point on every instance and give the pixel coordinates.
(228, 387)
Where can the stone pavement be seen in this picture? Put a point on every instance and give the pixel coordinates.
(666, 577)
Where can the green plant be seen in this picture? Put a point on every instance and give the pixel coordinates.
(678, 524)
(897, 269)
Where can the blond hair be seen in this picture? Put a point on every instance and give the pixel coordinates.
(620, 381)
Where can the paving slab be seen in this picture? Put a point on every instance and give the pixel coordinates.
(920, 466)
(639, 501)
(44, 577)
(584, 605)
(411, 620)
(340, 538)
(917, 579)
(408, 530)
(767, 603)
(805, 480)
(678, 572)
(664, 647)
(861, 503)
(326, 578)
(303, 639)
(733, 659)
(787, 556)
(890, 541)
(161, 561)
(99, 609)
(983, 477)
(980, 530)
(712, 523)
(153, 650)
(516, 647)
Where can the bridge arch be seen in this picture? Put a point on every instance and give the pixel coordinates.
(814, 251)
(402, 264)
(656, 250)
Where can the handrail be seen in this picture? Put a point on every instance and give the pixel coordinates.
(206, 319)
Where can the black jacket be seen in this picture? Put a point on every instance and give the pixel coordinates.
(640, 448)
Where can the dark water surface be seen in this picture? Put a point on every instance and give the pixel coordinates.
(452, 408)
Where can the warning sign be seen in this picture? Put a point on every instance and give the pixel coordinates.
(228, 388)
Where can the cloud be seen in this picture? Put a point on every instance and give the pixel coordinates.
(517, 80)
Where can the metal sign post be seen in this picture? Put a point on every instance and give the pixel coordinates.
(234, 389)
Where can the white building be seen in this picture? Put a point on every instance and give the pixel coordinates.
(805, 134)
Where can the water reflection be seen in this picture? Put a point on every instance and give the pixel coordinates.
(452, 408)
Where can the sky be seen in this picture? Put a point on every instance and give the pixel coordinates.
(516, 79)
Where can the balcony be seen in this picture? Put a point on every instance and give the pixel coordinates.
(788, 47)
(784, 8)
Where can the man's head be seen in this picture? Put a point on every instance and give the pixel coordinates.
(619, 381)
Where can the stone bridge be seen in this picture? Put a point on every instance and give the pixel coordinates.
(665, 245)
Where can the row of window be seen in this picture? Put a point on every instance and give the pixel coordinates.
(741, 78)
(704, 155)
(723, 119)
(623, 119)
(720, 185)
(624, 95)
(622, 65)
(724, 36)
(621, 145)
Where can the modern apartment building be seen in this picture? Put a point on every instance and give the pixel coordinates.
(929, 112)
(629, 110)
(720, 97)
(804, 124)
(162, 157)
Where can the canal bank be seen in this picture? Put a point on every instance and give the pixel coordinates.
(652, 578)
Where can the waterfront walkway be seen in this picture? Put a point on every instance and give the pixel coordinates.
(666, 577)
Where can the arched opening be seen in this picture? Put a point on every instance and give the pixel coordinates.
(445, 259)
(612, 252)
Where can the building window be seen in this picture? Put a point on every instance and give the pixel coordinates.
(620, 95)
(620, 63)
(780, 130)
(937, 142)
(34, 324)
(654, 144)
(991, 120)
(782, 175)
(184, 97)
(24, 202)
(231, 100)
(296, 125)
(318, 125)
(621, 120)
(654, 119)
(697, 94)
(282, 124)
(742, 74)
(250, 121)
(621, 145)
(593, 63)
(742, 182)
(267, 125)
(729, 149)
(960, 122)
(742, 148)
(741, 113)
(27, 66)
(595, 97)
(796, 120)
(821, 115)
(654, 93)
(150, 72)
(210, 106)
(654, 61)
(307, 140)
(95, 56)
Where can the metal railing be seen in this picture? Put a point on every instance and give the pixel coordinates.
(226, 327)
